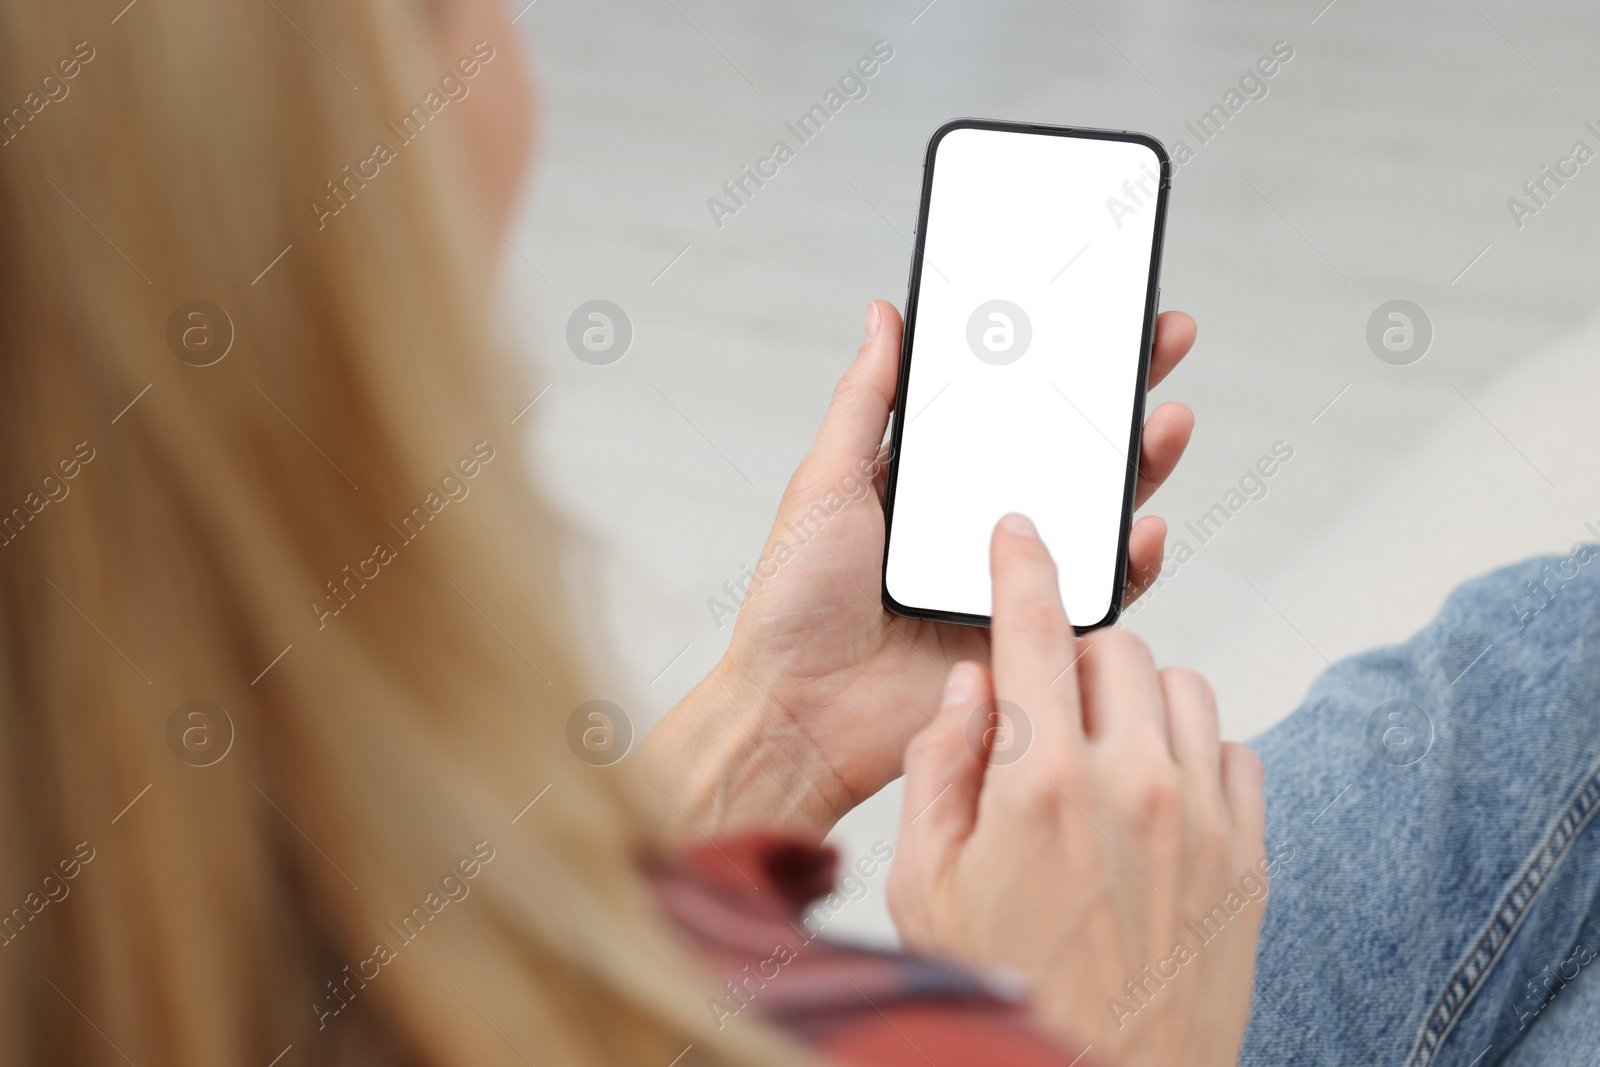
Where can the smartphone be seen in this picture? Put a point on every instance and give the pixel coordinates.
(1028, 325)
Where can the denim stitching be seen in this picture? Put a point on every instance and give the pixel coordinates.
(1514, 906)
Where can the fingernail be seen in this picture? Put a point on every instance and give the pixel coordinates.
(1019, 525)
(961, 687)
(874, 320)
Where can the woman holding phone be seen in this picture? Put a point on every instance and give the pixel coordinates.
(288, 782)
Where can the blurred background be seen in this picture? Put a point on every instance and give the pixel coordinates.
(1380, 164)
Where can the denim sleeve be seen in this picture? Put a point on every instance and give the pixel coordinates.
(1431, 807)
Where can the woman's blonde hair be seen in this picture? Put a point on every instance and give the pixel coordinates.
(327, 534)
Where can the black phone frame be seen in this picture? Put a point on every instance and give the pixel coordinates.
(1152, 302)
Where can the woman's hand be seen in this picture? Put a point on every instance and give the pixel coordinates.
(810, 710)
(1075, 817)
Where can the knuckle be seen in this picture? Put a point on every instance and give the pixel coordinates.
(1190, 684)
(1067, 782)
(1049, 787)
(1210, 844)
(1242, 760)
(849, 386)
(931, 747)
(809, 479)
(1123, 643)
(1149, 795)
(1251, 761)
(1038, 802)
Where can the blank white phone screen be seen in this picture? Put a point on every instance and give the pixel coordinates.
(1025, 363)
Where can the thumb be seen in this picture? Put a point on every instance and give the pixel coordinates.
(858, 414)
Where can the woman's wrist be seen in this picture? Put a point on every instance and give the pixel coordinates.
(729, 756)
